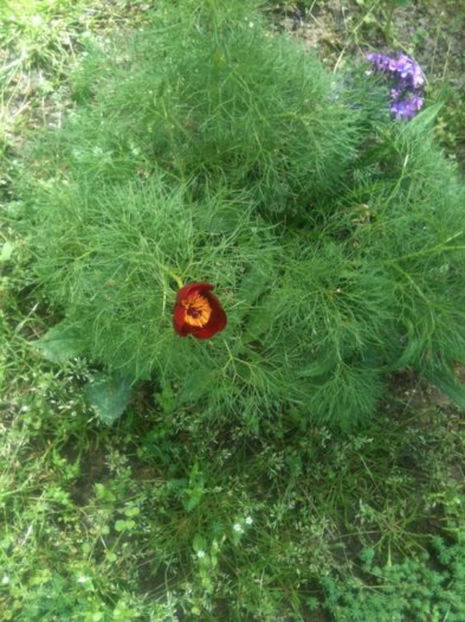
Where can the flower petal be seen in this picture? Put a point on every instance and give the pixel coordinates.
(217, 319)
(191, 289)
(179, 315)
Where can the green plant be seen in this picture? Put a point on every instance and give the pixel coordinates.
(412, 589)
(199, 165)
(214, 99)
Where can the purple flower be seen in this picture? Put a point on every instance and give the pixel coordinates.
(382, 63)
(407, 108)
(403, 68)
(410, 72)
(407, 90)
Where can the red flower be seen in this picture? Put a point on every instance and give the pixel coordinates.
(198, 312)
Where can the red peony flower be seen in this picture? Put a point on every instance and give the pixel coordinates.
(198, 312)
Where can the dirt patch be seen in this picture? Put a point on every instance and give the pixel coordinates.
(93, 469)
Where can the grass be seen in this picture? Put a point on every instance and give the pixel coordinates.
(165, 517)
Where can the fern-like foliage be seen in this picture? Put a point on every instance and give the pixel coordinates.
(212, 149)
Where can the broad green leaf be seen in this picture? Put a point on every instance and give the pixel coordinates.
(199, 543)
(194, 498)
(59, 344)
(7, 249)
(425, 118)
(109, 395)
(124, 525)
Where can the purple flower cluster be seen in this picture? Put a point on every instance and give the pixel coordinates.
(407, 92)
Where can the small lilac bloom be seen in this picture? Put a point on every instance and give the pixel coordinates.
(407, 108)
(407, 91)
(402, 67)
(383, 63)
(410, 71)
(378, 60)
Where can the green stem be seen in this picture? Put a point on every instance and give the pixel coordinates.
(175, 277)
(387, 30)
(430, 251)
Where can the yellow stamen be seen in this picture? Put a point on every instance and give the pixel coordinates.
(198, 310)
